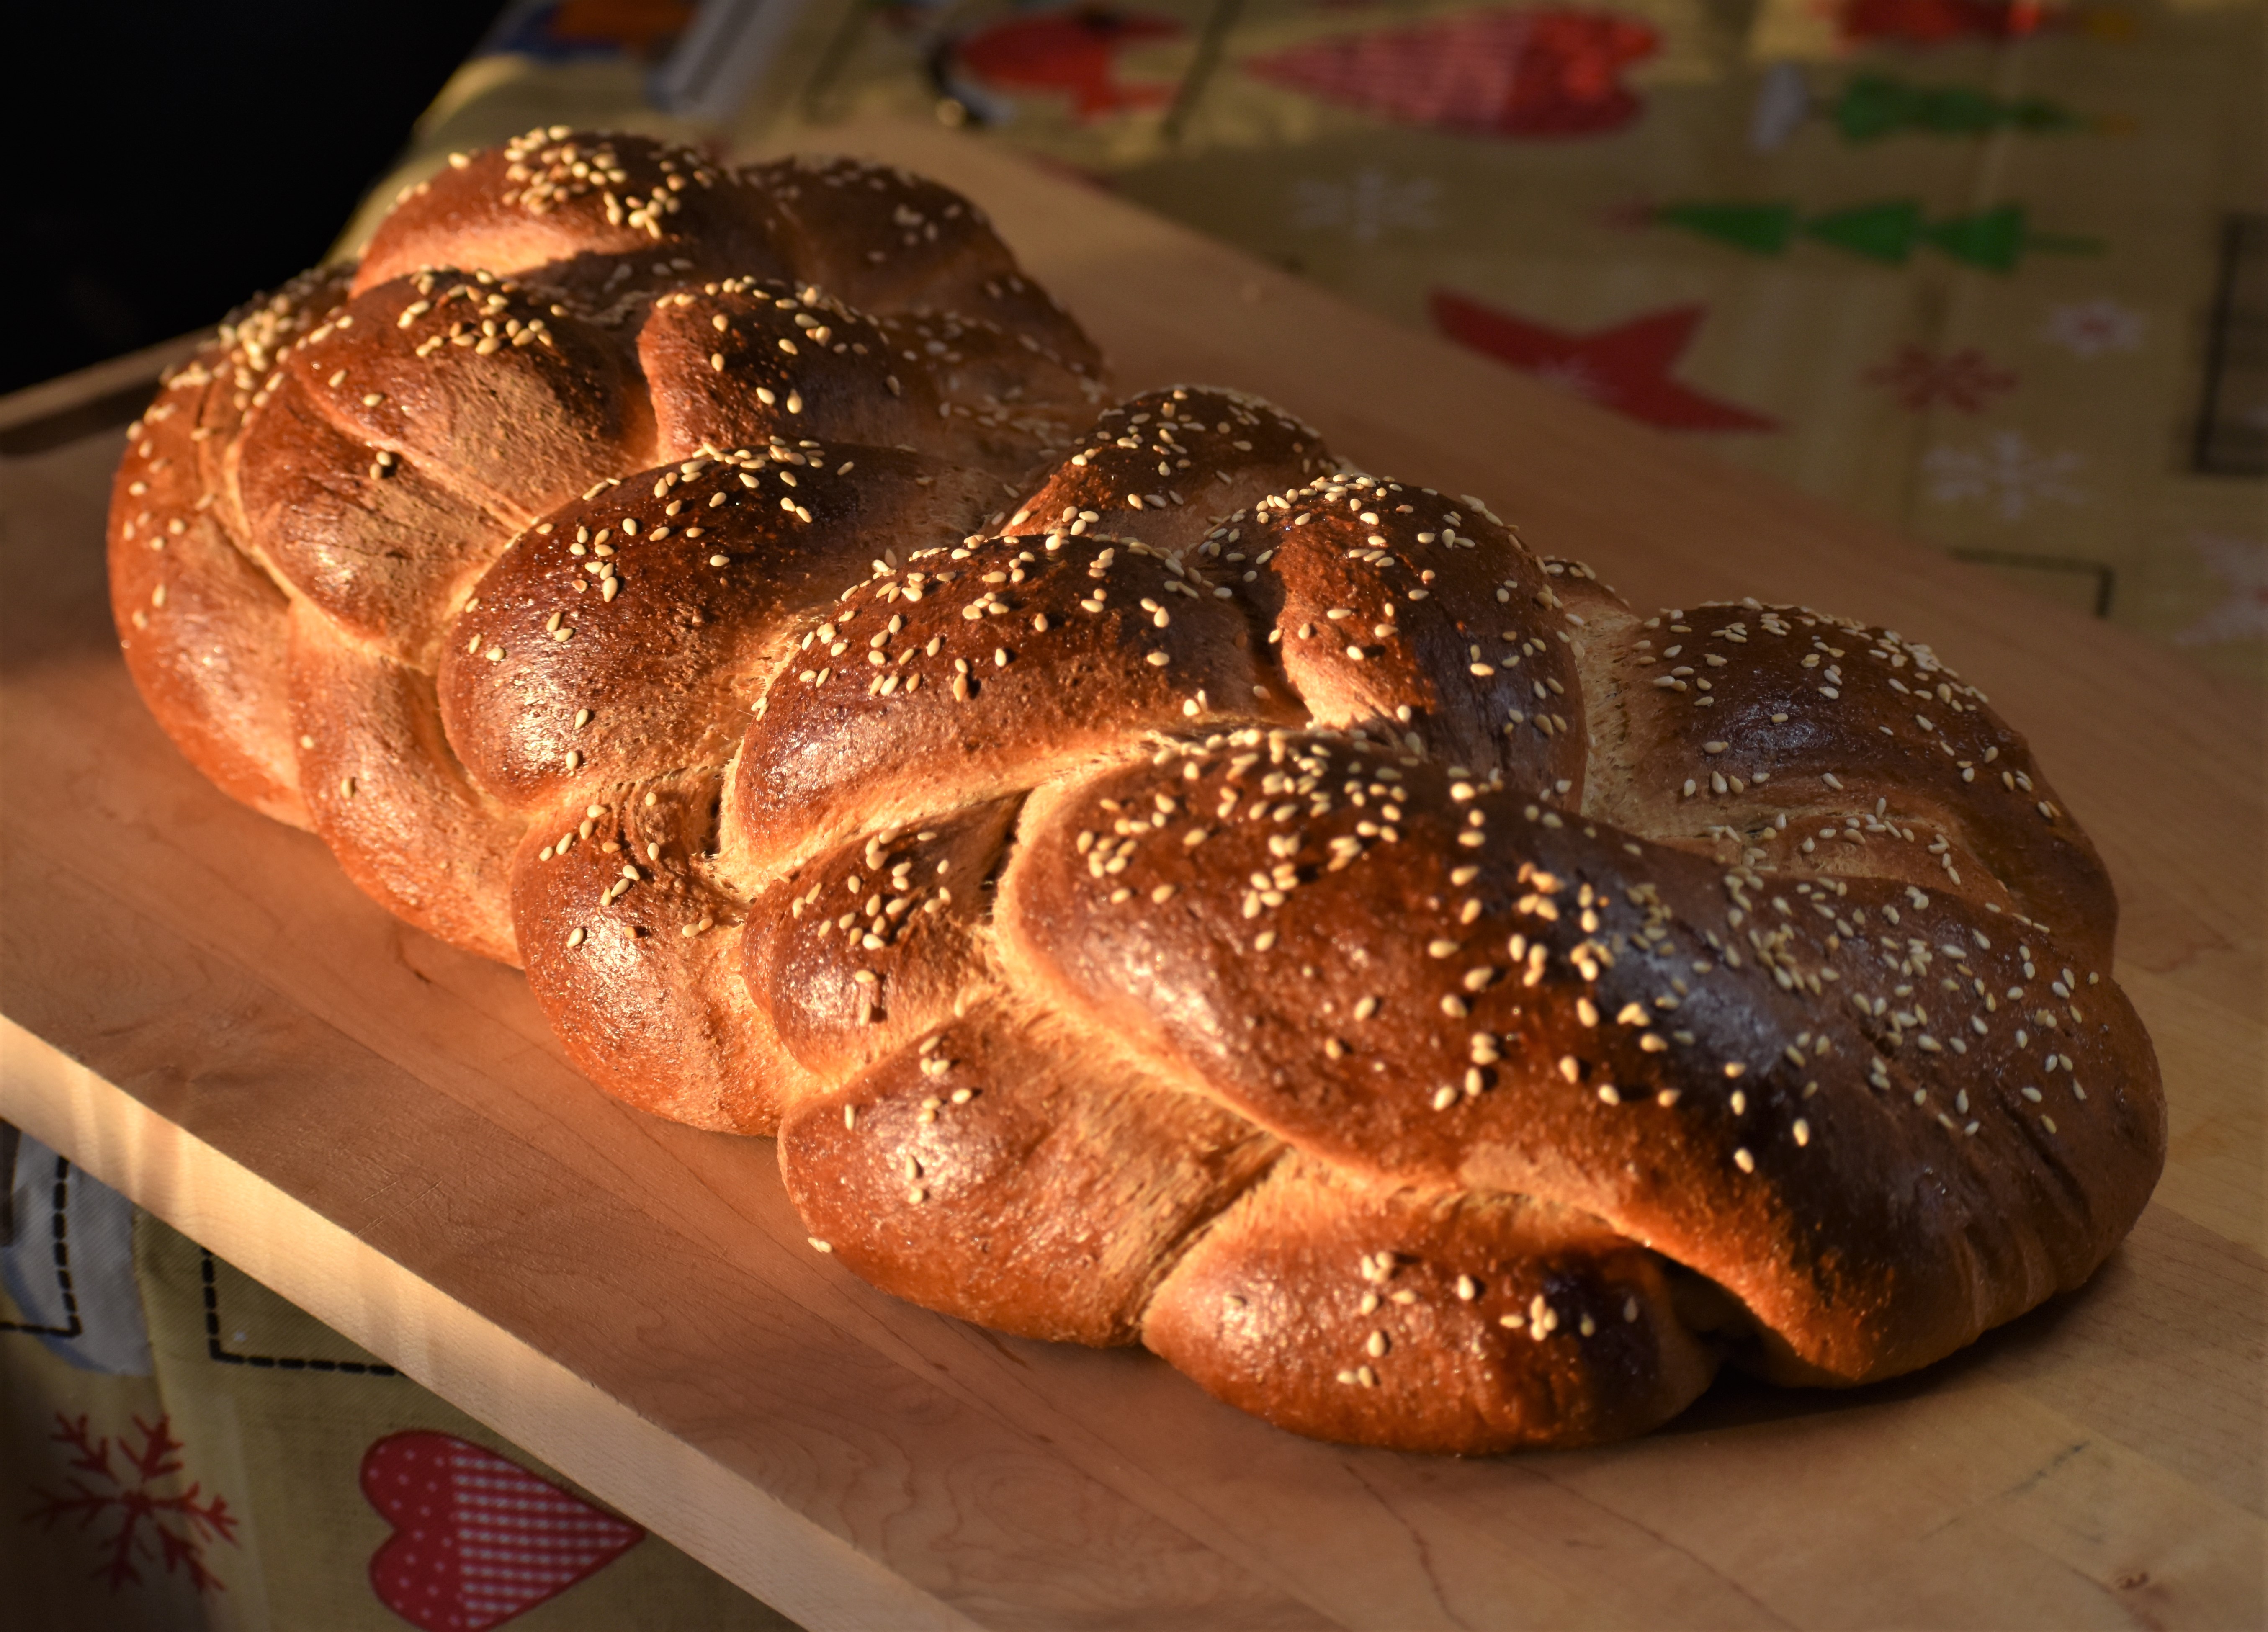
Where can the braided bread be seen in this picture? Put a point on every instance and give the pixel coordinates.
(1159, 885)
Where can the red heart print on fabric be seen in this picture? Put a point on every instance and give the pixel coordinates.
(477, 1539)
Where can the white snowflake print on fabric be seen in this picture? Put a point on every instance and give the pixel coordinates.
(1367, 205)
(2242, 565)
(2088, 328)
(2006, 473)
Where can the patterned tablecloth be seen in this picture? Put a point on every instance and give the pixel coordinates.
(182, 1449)
(1995, 271)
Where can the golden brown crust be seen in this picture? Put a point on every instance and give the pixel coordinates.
(977, 673)
(202, 628)
(629, 936)
(596, 215)
(1450, 1322)
(1507, 1016)
(382, 549)
(387, 795)
(1000, 1171)
(340, 471)
(1884, 763)
(626, 635)
(672, 590)
(737, 363)
(502, 394)
(1162, 886)
(859, 953)
(1396, 610)
(1176, 461)
(885, 240)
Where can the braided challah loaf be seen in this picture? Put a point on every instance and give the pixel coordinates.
(317, 489)
(1159, 885)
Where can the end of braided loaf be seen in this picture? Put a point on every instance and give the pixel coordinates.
(1159, 886)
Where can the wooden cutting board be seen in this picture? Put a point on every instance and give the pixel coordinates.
(201, 1012)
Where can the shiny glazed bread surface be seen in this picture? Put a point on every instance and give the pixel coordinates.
(1158, 885)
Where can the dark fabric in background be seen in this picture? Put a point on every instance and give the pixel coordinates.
(169, 160)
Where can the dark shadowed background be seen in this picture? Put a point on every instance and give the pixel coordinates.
(173, 159)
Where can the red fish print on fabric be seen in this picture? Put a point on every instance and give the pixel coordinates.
(1940, 22)
(124, 1488)
(1625, 368)
(1525, 72)
(477, 1539)
(1073, 52)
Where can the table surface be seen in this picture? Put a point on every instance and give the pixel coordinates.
(201, 1012)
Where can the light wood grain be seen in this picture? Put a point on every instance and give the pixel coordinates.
(55, 398)
(204, 1013)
